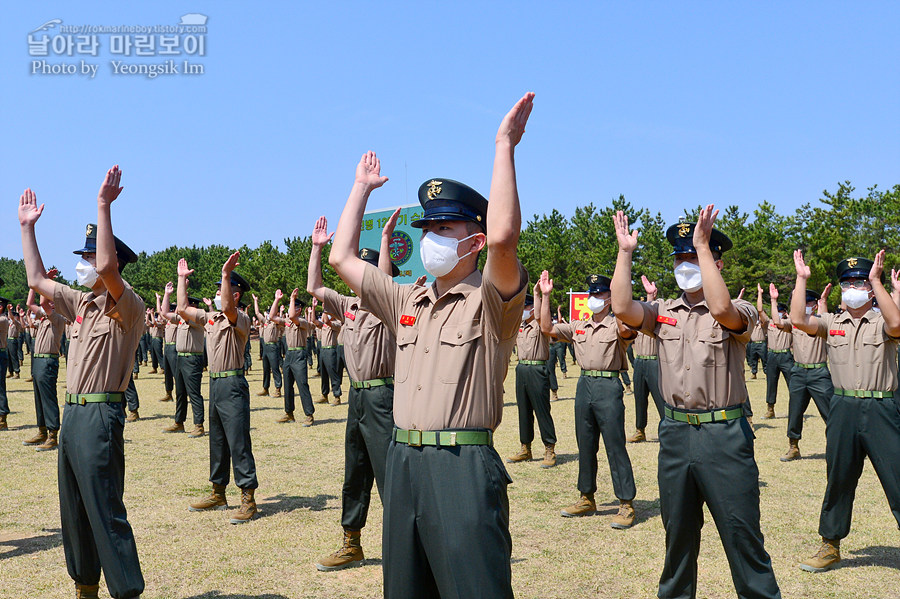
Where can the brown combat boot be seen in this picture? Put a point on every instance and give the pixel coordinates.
(3, 424)
(168, 397)
(828, 556)
(793, 452)
(263, 393)
(625, 518)
(177, 427)
(523, 456)
(288, 417)
(753, 375)
(197, 432)
(638, 437)
(16, 376)
(29, 380)
(770, 411)
(248, 507)
(9, 375)
(51, 442)
(132, 416)
(86, 591)
(565, 374)
(153, 371)
(308, 421)
(277, 392)
(749, 420)
(39, 438)
(628, 389)
(336, 401)
(350, 554)
(583, 507)
(553, 395)
(323, 399)
(216, 501)
(549, 456)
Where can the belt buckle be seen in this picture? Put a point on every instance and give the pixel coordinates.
(453, 439)
(417, 437)
(80, 400)
(693, 418)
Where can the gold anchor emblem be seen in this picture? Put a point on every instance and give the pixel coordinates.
(365, 253)
(851, 262)
(90, 229)
(683, 229)
(434, 188)
(593, 278)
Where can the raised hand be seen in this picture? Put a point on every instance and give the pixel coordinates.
(315, 302)
(29, 212)
(294, 294)
(649, 286)
(895, 280)
(773, 291)
(231, 263)
(545, 283)
(278, 295)
(110, 189)
(803, 271)
(52, 273)
(627, 239)
(704, 227)
(170, 287)
(513, 125)
(420, 282)
(183, 270)
(877, 268)
(388, 230)
(320, 235)
(208, 302)
(368, 171)
(823, 300)
(741, 293)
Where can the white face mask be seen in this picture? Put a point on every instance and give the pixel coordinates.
(855, 298)
(877, 309)
(688, 276)
(809, 310)
(595, 304)
(527, 313)
(439, 255)
(85, 273)
(217, 301)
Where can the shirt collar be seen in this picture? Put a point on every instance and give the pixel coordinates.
(465, 287)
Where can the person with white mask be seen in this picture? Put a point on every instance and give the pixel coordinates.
(600, 344)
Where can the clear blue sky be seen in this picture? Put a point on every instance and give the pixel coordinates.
(671, 104)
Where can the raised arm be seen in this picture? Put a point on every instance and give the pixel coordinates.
(545, 285)
(29, 213)
(773, 305)
(538, 304)
(344, 256)
(763, 317)
(320, 238)
(504, 218)
(895, 286)
(889, 310)
(259, 315)
(229, 308)
(292, 309)
(164, 311)
(182, 307)
(624, 306)
(31, 304)
(384, 252)
(273, 311)
(107, 260)
(803, 321)
(714, 289)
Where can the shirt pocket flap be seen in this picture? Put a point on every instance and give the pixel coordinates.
(873, 339)
(713, 335)
(667, 332)
(459, 334)
(100, 328)
(407, 335)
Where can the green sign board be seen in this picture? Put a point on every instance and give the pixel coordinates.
(404, 244)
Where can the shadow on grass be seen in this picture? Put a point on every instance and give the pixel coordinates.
(26, 545)
(330, 421)
(814, 456)
(282, 503)
(877, 555)
(565, 458)
(219, 595)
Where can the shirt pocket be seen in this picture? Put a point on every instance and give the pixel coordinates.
(873, 349)
(669, 347)
(100, 328)
(458, 343)
(406, 346)
(712, 346)
(838, 349)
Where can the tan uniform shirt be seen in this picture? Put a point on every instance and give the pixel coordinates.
(809, 349)
(452, 351)
(105, 335)
(296, 334)
(861, 355)
(701, 363)
(4, 330)
(225, 342)
(189, 336)
(780, 337)
(269, 332)
(758, 334)
(158, 329)
(598, 345)
(370, 347)
(531, 343)
(328, 333)
(49, 333)
(14, 329)
(171, 330)
(645, 345)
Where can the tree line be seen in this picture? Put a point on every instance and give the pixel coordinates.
(841, 223)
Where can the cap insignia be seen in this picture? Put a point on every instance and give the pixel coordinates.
(683, 229)
(90, 229)
(365, 253)
(434, 188)
(851, 262)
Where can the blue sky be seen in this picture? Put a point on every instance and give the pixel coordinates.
(670, 104)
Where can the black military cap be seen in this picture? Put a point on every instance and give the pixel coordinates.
(681, 236)
(237, 281)
(4, 302)
(194, 301)
(782, 307)
(529, 300)
(299, 303)
(811, 296)
(446, 199)
(855, 268)
(598, 283)
(371, 256)
(123, 252)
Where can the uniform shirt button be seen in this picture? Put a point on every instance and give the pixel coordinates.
(434, 316)
(459, 335)
(688, 367)
(419, 388)
(426, 350)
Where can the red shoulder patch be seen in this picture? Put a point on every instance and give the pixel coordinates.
(211, 321)
(667, 320)
(78, 319)
(350, 315)
(407, 320)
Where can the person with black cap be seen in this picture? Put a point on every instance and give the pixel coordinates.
(4, 327)
(862, 419)
(106, 331)
(600, 344)
(297, 329)
(370, 416)
(270, 332)
(810, 377)
(188, 375)
(533, 384)
(227, 332)
(705, 441)
(454, 340)
(780, 359)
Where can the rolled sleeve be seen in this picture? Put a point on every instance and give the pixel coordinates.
(502, 318)
(334, 303)
(128, 311)
(749, 315)
(384, 298)
(66, 300)
(651, 313)
(564, 331)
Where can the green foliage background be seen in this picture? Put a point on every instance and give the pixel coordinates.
(841, 223)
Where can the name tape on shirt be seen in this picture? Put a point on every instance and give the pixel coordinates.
(580, 332)
(211, 321)
(407, 320)
(837, 332)
(667, 320)
(352, 316)
(78, 319)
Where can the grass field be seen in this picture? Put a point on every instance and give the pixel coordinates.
(187, 555)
